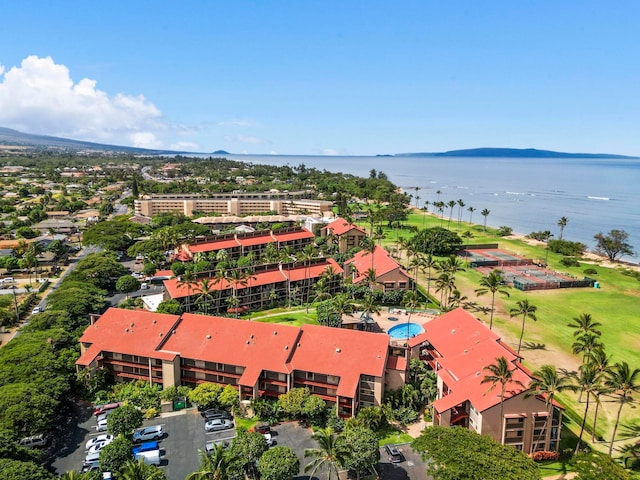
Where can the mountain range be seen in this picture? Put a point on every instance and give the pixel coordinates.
(10, 137)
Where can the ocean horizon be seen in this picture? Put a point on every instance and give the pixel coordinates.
(526, 194)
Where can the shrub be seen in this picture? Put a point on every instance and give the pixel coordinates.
(569, 262)
(545, 456)
(504, 231)
(590, 271)
(563, 247)
(335, 422)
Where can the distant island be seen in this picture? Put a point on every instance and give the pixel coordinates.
(220, 152)
(511, 153)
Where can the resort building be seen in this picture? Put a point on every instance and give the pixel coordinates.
(238, 245)
(389, 274)
(346, 234)
(458, 348)
(236, 203)
(344, 367)
(265, 285)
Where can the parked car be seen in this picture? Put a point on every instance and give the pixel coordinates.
(98, 439)
(37, 310)
(33, 441)
(90, 467)
(395, 456)
(262, 428)
(218, 424)
(92, 457)
(148, 433)
(102, 425)
(213, 413)
(100, 409)
(145, 447)
(213, 444)
(99, 446)
(267, 436)
(150, 457)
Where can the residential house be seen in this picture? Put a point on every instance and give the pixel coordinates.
(346, 234)
(389, 274)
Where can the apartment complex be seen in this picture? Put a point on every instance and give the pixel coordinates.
(389, 274)
(458, 347)
(344, 367)
(237, 203)
(346, 234)
(264, 286)
(237, 245)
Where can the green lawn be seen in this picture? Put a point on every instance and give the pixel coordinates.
(549, 340)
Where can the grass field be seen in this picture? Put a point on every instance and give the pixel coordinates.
(548, 340)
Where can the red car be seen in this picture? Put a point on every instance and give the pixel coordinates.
(100, 409)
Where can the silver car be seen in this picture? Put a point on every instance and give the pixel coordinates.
(218, 424)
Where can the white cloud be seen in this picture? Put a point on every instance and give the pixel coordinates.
(329, 151)
(184, 146)
(234, 123)
(40, 97)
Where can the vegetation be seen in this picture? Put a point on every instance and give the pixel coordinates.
(457, 453)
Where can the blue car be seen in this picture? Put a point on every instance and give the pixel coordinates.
(145, 447)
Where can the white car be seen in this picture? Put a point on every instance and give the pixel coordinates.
(148, 433)
(268, 438)
(218, 424)
(99, 446)
(99, 439)
(102, 425)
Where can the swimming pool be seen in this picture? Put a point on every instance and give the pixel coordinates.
(405, 330)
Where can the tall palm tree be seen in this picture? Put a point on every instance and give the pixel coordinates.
(547, 381)
(588, 381)
(562, 223)
(237, 278)
(600, 360)
(500, 373)
(471, 210)
(492, 283)
(325, 455)
(369, 305)
(485, 213)
(206, 297)
(187, 279)
(213, 466)
(524, 308)
(410, 301)
(445, 284)
(461, 205)
(369, 247)
(450, 204)
(429, 263)
(585, 344)
(416, 264)
(623, 383)
(585, 324)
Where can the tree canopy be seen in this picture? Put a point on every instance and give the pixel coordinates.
(614, 244)
(457, 453)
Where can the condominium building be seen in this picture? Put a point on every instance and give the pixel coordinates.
(389, 274)
(344, 367)
(346, 234)
(237, 203)
(458, 348)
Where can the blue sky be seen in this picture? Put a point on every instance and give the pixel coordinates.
(325, 77)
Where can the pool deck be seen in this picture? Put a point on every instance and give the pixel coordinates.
(383, 324)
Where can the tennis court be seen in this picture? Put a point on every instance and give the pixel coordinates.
(492, 257)
(533, 277)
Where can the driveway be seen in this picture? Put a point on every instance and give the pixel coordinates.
(412, 468)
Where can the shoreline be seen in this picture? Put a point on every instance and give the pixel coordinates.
(587, 256)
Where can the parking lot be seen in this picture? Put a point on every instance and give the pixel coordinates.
(185, 434)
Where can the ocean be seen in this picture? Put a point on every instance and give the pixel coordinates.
(526, 194)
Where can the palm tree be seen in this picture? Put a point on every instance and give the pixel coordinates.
(548, 382)
(585, 324)
(429, 263)
(623, 383)
(343, 304)
(600, 360)
(450, 204)
(485, 213)
(588, 380)
(369, 305)
(585, 344)
(369, 247)
(445, 285)
(493, 284)
(187, 279)
(471, 210)
(461, 205)
(524, 308)
(562, 223)
(416, 264)
(205, 296)
(410, 301)
(500, 373)
(326, 455)
(133, 470)
(213, 466)
(237, 278)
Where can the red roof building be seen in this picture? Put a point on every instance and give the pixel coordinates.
(345, 367)
(458, 347)
(389, 274)
(347, 234)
